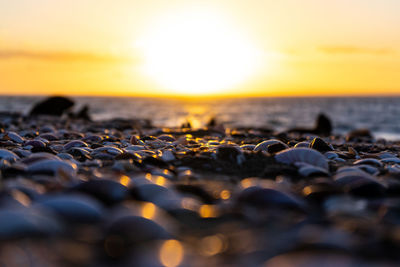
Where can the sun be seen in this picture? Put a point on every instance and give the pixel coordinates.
(197, 52)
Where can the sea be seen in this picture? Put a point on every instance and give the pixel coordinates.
(381, 115)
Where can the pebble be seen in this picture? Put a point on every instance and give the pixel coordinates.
(122, 192)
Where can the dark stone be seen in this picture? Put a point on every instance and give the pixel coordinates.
(228, 153)
(107, 191)
(53, 106)
(212, 122)
(131, 232)
(360, 184)
(320, 145)
(323, 127)
(319, 192)
(271, 198)
(275, 148)
(43, 149)
(197, 191)
(73, 208)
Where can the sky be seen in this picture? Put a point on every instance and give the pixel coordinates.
(200, 48)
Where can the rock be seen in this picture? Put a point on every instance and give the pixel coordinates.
(107, 191)
(53, 106)
(73, 208)
(320, 145)
(323, 127)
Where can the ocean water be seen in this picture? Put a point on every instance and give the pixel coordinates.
(379, 114)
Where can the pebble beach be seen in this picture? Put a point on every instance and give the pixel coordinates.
(123, 192)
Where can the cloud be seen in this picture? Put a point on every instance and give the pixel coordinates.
(344, 49)
(60, 56)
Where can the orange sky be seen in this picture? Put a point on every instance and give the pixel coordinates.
(154, 47)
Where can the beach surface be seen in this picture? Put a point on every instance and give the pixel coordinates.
(123, 192)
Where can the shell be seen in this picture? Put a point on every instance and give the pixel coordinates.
(306, 155)
(53, 167)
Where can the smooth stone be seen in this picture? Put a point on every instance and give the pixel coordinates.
(391, 160)
(359, 183)
(107, 191)
(320, 145)
(23, 223)
(303, 144)
(305, 155)
(75, 143)
(369, 161)
(108, 150)
(134, 148)
(167, 156)
(307, 170)
(136, 230)
(267, 197)
(73, 208)
(230, 153)
(53, 167)
(48, 136)
(166, 137)
(263, 146)
(275, 148)
(35, 143)
(65, 156)
(331, 155)
(13, 136)
(8, 155)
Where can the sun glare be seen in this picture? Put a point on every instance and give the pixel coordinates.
(197, 53)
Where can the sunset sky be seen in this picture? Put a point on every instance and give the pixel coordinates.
(186, 48)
